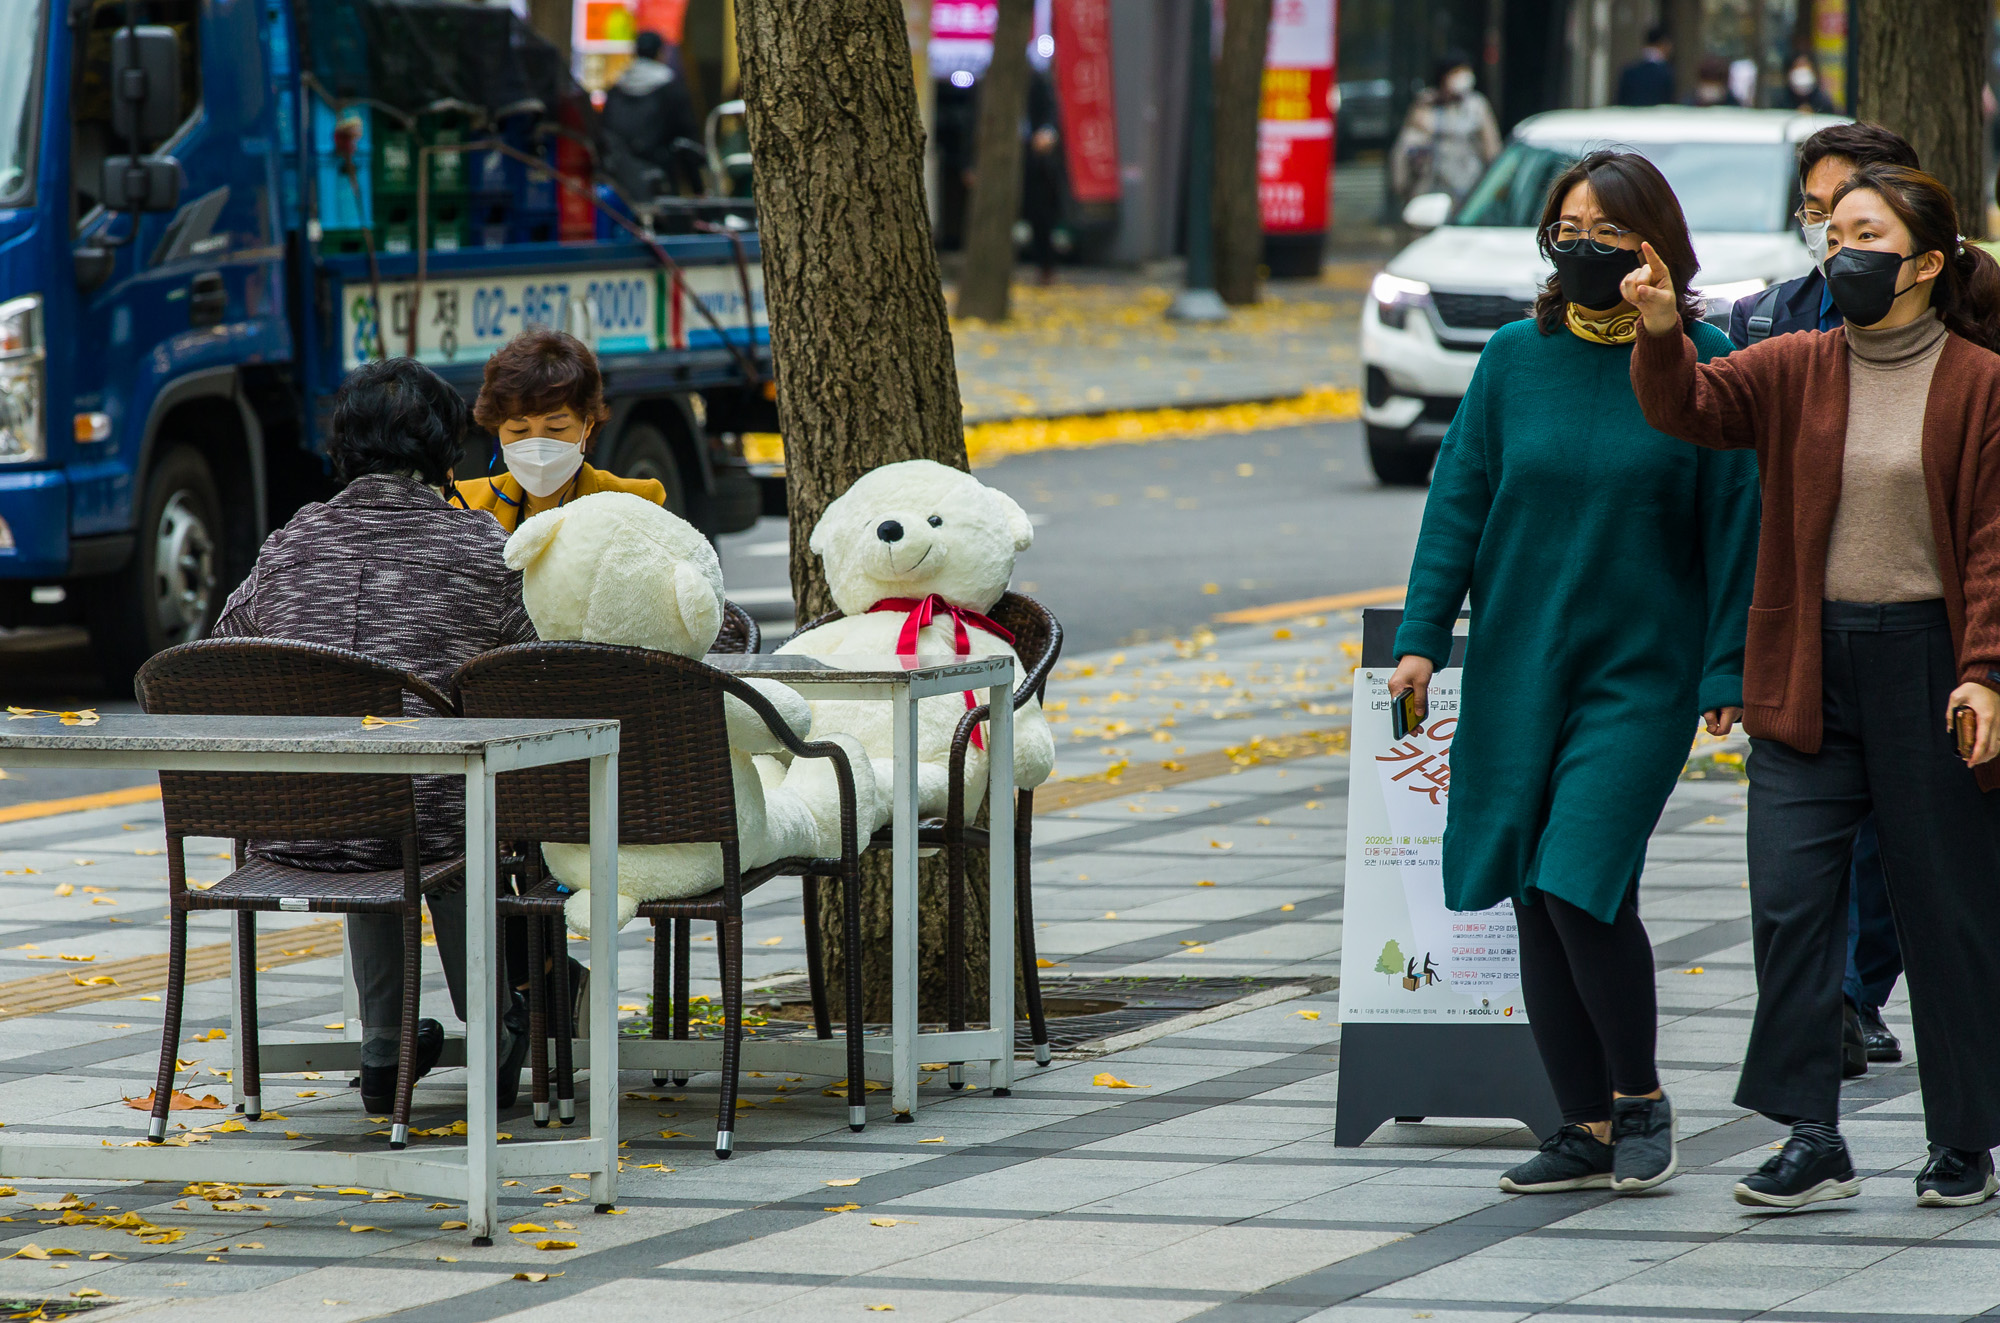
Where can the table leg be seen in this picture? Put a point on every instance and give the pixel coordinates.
(482, 1195)
(604, 976)
(903, 910)
(1000, 881)
(240, 960)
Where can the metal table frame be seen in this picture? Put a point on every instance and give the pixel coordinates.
(902, 682)
(479, 751)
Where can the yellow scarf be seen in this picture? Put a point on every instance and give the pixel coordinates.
(1620, 330)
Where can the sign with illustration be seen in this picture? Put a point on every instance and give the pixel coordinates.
(1404, 956)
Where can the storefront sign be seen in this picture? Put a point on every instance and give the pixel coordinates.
(1404, 956)
(1082, 32)
(1295, 128)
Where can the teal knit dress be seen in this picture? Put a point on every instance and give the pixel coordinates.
(1610, 568)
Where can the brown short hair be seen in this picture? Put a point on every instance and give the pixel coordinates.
(1631, 192)
(540, 371)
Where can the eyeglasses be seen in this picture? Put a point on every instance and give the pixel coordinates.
(1808, 216)
(1603, 237)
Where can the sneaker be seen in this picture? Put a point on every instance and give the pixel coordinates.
(378, 1083)
(1956, 1178)
(1853, 1048)
(1643, 1140)
(1571, 1159)
(1881, 1041)
(1808, 1170)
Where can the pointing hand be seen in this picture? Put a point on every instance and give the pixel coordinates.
(1650, 289)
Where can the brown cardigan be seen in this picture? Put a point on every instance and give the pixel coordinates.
(1787, 398)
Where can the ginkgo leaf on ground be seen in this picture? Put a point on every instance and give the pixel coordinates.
(1104, 1079)
(1307, 1015)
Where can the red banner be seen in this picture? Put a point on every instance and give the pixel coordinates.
(1295, 125)
(1082, 32)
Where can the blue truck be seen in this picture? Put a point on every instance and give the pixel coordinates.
(199, 239)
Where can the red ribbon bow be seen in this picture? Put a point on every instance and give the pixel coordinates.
(920, 612)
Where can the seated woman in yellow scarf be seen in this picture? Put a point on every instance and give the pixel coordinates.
(543, 397)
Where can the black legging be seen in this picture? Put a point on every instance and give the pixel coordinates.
(1589, 991)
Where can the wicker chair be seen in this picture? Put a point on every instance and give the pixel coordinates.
(267, 677)
(1038, 642)
(674, 787)
(739, 631)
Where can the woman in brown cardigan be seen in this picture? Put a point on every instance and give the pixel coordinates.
(1876, 614)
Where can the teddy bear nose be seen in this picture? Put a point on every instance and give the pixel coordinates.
(889, 531)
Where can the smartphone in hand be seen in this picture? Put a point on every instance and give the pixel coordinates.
(1965, 729)
(1407, 713)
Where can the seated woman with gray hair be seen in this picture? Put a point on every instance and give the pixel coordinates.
(390, 568)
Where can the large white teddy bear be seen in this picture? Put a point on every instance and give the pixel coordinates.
(615, 568)
(901, 535)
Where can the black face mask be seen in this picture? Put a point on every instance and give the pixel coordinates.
(1591, 279)
(1862, 283)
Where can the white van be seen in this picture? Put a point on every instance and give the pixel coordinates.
(1431, 311)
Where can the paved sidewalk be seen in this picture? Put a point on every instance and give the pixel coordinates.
(1210, 1188)
(1099, 341)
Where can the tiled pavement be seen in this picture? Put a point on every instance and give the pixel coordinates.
(1211, 1189)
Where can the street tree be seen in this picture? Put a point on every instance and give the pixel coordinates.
(1239, 89)
(859, 335)
(1921, 72)
(988, 275)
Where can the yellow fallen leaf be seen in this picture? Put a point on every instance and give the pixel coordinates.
(1111, 914)
(1043, 962)
(95, 981)
(29, 1251)
(1188, 943)
(358, 1227)
(1312, 803)
(1204, 883)
(845, 1181)
(673, 1134)
(1696, 970)
(250, 1244)
(521, 1228)
(307, 1093)
(881, 1309)
(65, 889)
(86, 1292)
(885, 1221)
(451, 1226)
(149, 997)
(212, 1036)
(1287, 906)
(1307, 1015)
(535, 1276)
(842, 1208)
(565, 1226)
(1222, 845)
(1211, 589)
(555, 1244)
(337, 1024)
(771, 941)
(102, 1255)
(64, 955)
(936, 1140)
(1104, 1079)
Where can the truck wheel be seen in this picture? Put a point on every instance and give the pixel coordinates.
(171, 592)
(1398, 462)
(643, 452)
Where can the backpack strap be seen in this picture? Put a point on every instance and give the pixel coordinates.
(1759, 325)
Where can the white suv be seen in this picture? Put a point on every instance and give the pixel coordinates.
(1431, 311)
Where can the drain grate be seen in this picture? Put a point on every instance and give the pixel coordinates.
(1080, 1011)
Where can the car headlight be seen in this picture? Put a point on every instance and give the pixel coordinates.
(1394, 297)
(1723, 297)
(23, 437)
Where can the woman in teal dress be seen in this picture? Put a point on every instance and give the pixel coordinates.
(1610, 573)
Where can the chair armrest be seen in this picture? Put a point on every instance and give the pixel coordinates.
(961, 740)
(431, 696)
(843, 771)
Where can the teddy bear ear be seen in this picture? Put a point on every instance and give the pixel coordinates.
(532, 538)
(700, 609)
(1017, 520)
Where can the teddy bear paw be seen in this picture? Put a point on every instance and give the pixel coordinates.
(576, 911)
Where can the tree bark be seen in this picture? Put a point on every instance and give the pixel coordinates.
(1922, 73)
(1684, 21)
(859, 337)
(1239, 94)
(988, 276)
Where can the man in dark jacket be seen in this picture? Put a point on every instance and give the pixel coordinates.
(648, 108)
(1826, 161)
(1649, 80)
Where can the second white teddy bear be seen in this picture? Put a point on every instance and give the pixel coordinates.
(615, 568)
(907, 544)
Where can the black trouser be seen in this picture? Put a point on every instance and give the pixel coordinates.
(1589, 992)
(1887, 674)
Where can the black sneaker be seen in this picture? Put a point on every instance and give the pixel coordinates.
(378, 1083)
(1809, 1170)
(1881, 1041)
(1956, 1178)
(1853, 1047)
(1646, 1149)
(1571, 1159)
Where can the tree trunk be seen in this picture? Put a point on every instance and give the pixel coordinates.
(859, 336)
(1684, 21)
(1922, 73)
(1239, 93)
(996, 190)
(551, 19)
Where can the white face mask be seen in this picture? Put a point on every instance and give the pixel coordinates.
(1815, 237)
(542, 465)
(1802, 81)
(1459, 83)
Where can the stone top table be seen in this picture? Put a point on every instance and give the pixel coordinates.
(477, 750)
(903, 682)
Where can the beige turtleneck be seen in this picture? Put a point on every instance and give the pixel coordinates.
(1882, 548)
